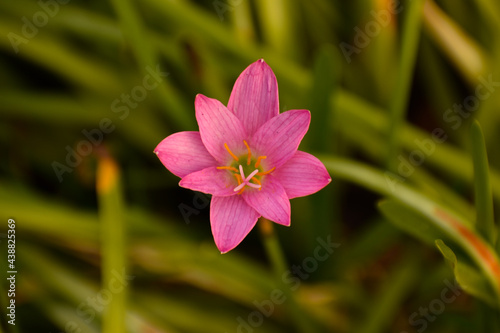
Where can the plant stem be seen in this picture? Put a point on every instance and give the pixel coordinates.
(278, 262)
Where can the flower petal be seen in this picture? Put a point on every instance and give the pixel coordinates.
(231, 219)
(302, 175)
(280, 137)
(183, 153)
(211, 181)
(254, 98)
(271, 201)
(218, 125)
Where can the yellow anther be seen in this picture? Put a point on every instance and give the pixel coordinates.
(231, 153)
(265, 173)
(260, 158)
(249, 152)
(238, 178)
(258, 182)
(227, 168)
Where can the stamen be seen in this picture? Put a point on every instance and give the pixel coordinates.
(231, 153)
(227, 168)
(267, 172)
(249, 152)
(238, 178)
(260, 158)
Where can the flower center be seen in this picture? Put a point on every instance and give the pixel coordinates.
(251, 168)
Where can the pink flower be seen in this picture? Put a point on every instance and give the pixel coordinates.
(245, 155)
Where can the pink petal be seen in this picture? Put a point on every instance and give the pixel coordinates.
(211, 181)
(231, 219)
(271, 201)
(302, 175)
(218, 125)
(183, 153)
(279, 138)
(254, 98)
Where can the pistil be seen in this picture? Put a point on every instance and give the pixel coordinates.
(253, 180)
(246, 181)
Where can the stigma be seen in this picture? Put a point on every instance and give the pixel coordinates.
(246, 181)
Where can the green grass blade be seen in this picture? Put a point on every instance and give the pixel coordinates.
(366, 247)
(278, 262)
(66, 317)
(146, 57)
(356, 113)
(241, 20)
(392, 293)
(113, 248)
(409, 49)
(63, 60)
(408, 220)
(134, 32)
(327, 75)
(482, 188)
(277, 26)
(453, 225)
(490, 9)
(463, 51)
(472, 281)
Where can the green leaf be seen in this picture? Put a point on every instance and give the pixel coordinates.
(469, 278)
(410, 221)
(458, 229)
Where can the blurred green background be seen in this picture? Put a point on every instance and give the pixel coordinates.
(404, 97)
